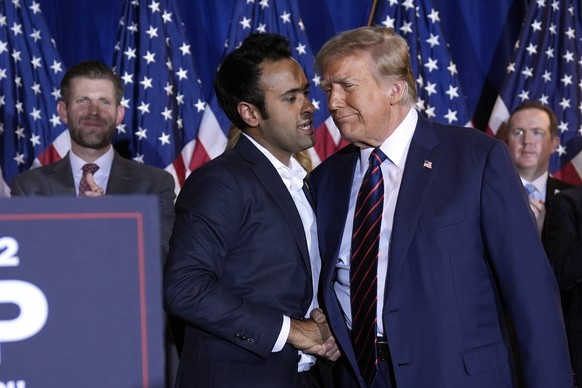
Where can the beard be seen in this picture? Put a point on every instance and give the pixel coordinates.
(92, 138)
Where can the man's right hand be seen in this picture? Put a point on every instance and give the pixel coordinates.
(313, 336)
(333, 352)
(96, 190)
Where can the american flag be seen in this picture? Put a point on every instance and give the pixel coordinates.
(30, 72)
(546, 66)
(168, 123)
(440, 97)
(282, 17)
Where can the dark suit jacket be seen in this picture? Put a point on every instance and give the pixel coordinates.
(238, 262)
(563, 243)
(126, 177)
(464, 259)
(553, 187)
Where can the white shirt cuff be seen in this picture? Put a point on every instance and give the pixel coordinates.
(283, 335)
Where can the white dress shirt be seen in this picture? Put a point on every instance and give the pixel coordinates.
(540, 184)
(101, 176)
(293, 176)
(396, 149)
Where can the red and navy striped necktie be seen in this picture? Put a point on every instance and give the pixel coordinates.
(364, 262)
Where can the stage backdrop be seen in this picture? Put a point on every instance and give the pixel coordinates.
(167, 52)
(480, 33)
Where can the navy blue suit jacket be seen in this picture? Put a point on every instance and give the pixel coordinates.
(238, 262)
(465, 259)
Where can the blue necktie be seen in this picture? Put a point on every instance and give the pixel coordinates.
(529, 189)
(363, 266)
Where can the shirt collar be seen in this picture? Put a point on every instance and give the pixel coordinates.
(292, 175)
(540, 183)
(395, 147)
(104, 162)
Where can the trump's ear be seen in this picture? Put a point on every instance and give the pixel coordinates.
(396, 92)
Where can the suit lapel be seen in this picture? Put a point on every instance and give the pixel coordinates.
(273, 184)
(61, 180)
(422, 164)
(307, 192)
(550, 189)
(120, 176)
(332, 205)
(553, 187)
(334, 202)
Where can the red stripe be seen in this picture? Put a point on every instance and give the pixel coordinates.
(49, 155)
(180, 169)
(366, 220)
(325, 144)
(568, 174)
(199, 156)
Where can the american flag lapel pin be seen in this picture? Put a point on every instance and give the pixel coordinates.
(427, 164)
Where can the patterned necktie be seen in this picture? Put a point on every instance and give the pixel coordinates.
(363, 267)
(83, 185)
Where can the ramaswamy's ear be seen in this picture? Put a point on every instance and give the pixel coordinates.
(249, 113)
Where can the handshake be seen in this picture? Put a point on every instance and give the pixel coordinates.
(313, 336)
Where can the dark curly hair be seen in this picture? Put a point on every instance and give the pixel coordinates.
(239, 75)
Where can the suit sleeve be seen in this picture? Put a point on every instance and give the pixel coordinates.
(526, 282)
(563, 240)
(209, 216)
(166, 195)
(16, 189)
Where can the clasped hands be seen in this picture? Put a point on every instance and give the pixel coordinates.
(313, 336)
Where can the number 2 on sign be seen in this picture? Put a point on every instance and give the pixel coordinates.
(8, 251)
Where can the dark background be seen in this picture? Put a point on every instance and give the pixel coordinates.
(481, 34)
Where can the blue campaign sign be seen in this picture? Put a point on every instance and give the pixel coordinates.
(81, 292)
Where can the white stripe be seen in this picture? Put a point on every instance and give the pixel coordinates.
(499, 115)
(333, 130)
(62, 143)
(4, 188)
(187, 153)
(172, 172)
(577, 163)
(210, 135)
(314, 156)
